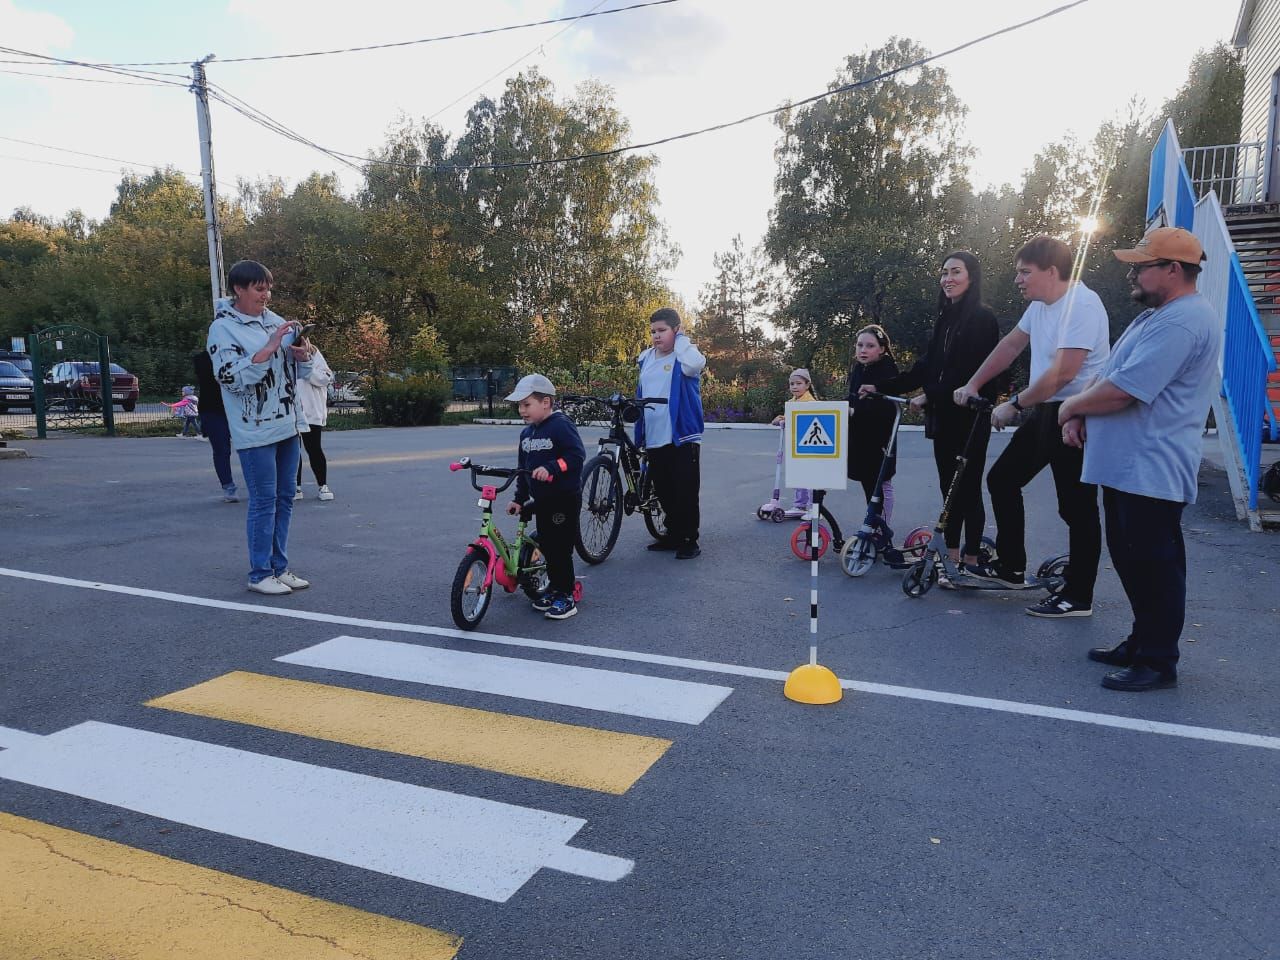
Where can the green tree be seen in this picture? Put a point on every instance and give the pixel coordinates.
(867, 185)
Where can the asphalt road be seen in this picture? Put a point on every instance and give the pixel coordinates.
(903, 823)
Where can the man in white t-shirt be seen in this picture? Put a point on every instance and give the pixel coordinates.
(1066, 326)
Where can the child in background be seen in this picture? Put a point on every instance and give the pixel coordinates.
(188, 408)
(800, 387)
(551, 450)
(871, 416)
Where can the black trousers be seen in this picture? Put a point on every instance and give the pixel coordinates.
(676, 475)
(1144, 537)
(557, 521)
(1035, 445)
(315, 456)
(967, 513)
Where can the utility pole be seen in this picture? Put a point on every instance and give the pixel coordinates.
(200, 88)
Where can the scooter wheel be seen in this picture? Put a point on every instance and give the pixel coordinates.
(778, 515)
(760, 514)
(1053, 572)
(800, 541)
(858, 556)
(920, 579)
(916, 541)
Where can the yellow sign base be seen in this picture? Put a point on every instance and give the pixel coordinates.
(812, 683)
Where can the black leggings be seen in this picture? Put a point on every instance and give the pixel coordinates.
(315, 456)
(967, 512)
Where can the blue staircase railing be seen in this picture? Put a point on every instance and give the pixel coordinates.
(1247, 357)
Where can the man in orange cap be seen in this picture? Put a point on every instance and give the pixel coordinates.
(1142, 419)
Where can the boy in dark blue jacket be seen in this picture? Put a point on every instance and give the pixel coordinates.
(551, 450)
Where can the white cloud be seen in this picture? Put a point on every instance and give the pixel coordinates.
(34, 30)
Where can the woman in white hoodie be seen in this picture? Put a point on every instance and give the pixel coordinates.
(313, 394)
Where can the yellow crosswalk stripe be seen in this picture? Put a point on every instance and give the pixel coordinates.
(68, 896)
(561, 753)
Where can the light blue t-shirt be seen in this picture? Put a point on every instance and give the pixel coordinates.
(1167, 360)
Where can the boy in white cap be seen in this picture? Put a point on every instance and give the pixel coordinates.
(551, 450)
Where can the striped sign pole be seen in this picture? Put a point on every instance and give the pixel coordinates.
(812, 682)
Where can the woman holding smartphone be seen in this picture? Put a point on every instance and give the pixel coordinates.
(257, 357)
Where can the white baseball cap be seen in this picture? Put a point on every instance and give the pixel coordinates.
(533, 383)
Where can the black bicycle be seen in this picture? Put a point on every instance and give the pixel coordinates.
(616, 480)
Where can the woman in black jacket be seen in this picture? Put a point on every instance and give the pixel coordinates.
(965, 332)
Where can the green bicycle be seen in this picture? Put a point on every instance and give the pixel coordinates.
(490, 558)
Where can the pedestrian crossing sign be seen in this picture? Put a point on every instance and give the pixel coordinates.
(815, 444)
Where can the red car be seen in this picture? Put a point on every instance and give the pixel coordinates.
(79, 383)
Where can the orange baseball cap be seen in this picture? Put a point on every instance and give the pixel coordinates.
(1164, 243)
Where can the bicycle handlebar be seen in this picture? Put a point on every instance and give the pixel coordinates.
(479, 470)
(615, 401)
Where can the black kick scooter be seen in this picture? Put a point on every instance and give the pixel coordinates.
(922, 576)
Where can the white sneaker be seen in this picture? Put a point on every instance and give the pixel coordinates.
(272, 586)
(325, 493)
(292, 581)
(298, 494)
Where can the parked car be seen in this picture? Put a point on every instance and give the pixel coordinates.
(16, 389)
(20, 360)
(77, 383)
(347, 387)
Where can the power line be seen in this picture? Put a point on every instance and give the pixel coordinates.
(54, 76)
(105, 68)
(866, 81)
(402, 43)
(99, 156)
(250, 112)
(54, 163)
(518, 59)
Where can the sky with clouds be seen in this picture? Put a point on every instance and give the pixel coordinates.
(675, 67)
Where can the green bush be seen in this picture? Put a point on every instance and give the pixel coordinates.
(416, 401)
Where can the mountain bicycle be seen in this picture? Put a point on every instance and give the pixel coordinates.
(489, 557)
(616, 480)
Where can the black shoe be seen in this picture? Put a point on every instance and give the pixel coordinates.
(688, 551)
(658, 545)
(1117, 656)
(542, 603)
(1138, 678)
(994, 574)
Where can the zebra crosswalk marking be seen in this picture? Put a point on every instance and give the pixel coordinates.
(66, 894)
(561, 753)
(467, 844)
(656, 698)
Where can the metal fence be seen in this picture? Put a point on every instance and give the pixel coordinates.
(1231, 170)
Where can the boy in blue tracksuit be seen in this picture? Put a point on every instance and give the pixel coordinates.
(551, 450)
(672, 432)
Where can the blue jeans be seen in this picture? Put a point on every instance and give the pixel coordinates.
(214, 427)
(269, 473)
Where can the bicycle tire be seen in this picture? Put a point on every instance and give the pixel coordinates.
(600, 517)
(533, 570)
(655, 519)
(474, 564)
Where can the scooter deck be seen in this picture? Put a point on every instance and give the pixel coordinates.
(967, 581)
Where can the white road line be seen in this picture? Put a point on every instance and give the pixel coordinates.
(10, 738)
(1136, 724)
(466, 844)
(655, 698)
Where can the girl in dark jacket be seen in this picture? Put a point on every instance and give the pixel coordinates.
(965, 332)
(871, 417)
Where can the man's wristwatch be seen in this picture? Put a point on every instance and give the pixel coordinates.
(1016, 405)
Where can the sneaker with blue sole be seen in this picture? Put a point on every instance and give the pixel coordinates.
(562, 608)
